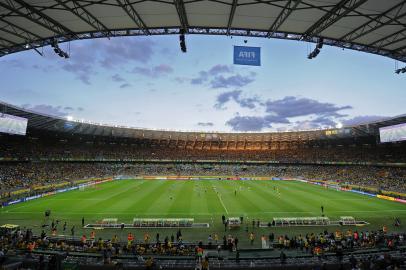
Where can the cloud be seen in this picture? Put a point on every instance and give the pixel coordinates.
(282, 111)
(219, 69)
(293, 106)
(248, 123)
(225, 97)
(200, 79)
(245, 102)
(222, 76)
(118, 51)
(315, 123)
(205, 124)
(181, 79)
(14, 63)
(362, 119)
(46, 109)
(86, 57)
(125, 85)
(231, 81)
(82, 72)
(117, 78)
(60, 111)
(154, 72)
(163, 69)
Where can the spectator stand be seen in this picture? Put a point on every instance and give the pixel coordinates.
(312, 221)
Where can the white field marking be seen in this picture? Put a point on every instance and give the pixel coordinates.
(18, 207)
(221, 201)
(203, 213)
(73, 199)
(371, 198)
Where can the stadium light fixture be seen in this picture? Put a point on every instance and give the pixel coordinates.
(400, 70)
(57, 50)
(339, 125)
(316, 50)
(69, 118)
(182, 41)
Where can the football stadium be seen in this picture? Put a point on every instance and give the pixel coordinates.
(324, 193)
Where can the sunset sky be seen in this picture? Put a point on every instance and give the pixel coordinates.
(148, 82)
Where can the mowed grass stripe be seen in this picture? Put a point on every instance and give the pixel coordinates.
(180, 206)
(110, 196)
(278, 201)
(126, 199)
(330, 199)
(240, 205)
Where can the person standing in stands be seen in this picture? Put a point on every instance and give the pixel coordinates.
(252, 238)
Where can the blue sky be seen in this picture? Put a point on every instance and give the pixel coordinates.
(148, 82)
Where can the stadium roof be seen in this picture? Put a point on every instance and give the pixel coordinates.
(374, 26)
(48, 123)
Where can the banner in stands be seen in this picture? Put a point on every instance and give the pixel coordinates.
(359, 192)
(385, 197)
(249, 56)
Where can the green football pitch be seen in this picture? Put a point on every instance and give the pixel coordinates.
(205, 201)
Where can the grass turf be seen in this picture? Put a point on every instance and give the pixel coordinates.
(205, 201)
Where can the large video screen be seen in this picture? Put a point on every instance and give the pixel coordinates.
(13, 124)
(393, 133)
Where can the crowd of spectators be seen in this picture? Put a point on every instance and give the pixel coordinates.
(317, 245)
(384, 178)
(40, 149)
(19, 175)
(45, 161)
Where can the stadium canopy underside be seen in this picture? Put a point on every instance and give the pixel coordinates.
(53, 124)
(373, 26)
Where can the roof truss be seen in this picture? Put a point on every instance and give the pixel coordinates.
(231, 17)
(335, 14)
(36, 16)
(180, 8)
(40, 25)
(283, 15)
(84, 15)
(376, 23)
(133, 14)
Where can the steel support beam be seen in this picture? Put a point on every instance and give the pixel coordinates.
(133, 14)
(283, 15)
(180, 8)
(376, 23)
(37, 17)
(231, 17)
(395, 54)
(19, 31)
(84, 15)
(389, 40)
(399, 50)
(335, 14)
(12, 33)
(3, 39)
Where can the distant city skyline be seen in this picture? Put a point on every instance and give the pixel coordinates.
(148, 82)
